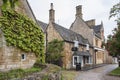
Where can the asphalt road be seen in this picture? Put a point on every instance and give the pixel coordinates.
(98, 73)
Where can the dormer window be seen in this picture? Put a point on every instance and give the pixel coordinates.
(87, 46)
(76, 43)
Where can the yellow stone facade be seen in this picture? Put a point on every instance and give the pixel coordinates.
(98, 54)
(11, 57)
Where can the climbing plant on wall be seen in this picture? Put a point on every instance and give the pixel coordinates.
(54, 49)
(20, 31)
(9, 4)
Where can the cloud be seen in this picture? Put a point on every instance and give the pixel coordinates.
(65, 11)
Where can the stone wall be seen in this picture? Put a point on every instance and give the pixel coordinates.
(91, 23)
(52, 33)
(49, 72)
(12, 57)
(43, 76)
(79, 26)
(107, 58)
(99, 57)
(97, 42)
(25, 8)
(67, 53)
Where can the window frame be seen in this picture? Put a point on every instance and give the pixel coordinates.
(23, 56)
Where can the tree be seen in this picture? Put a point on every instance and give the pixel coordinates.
(115, 12)
(54, 52)
(113, 42)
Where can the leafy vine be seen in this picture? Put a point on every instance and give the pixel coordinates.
(22, 32)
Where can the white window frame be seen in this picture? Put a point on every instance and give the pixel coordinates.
(87, 46)
(74, 60)
(76, 43)
(23, 59)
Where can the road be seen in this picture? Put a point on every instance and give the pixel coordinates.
(97, 73)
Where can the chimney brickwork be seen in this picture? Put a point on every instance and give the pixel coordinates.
(91, 23)
(52, 14)
(79, 11)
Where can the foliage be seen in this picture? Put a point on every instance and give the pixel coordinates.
(115, 72)
(18, 73)
(110, 46)
(113, 42)
(115, 12)
(54, 50)
(9, 4)
(22, 32)
(103, 44)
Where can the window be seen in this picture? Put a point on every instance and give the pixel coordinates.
(85, 59)
(87, 46)
(23, 57)
(75, 60)
(76, 43)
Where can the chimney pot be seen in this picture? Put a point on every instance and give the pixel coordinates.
(51, 14)
(51, 5)
(79, 11)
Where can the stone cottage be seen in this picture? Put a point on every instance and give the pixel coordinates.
(56, 31)
(12, 57)
(94, 33)
(87, 34)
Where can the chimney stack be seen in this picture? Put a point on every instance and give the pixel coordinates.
(79, 11)
(91, 23)
(52, 14)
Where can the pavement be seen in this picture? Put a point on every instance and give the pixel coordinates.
(99, 73)
(92, 67)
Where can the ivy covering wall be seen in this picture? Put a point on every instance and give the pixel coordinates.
(22, 32)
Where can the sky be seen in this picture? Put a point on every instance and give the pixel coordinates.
(65, 11)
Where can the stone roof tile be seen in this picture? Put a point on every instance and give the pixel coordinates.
(42, 25)
(97, 29)
(69, 35)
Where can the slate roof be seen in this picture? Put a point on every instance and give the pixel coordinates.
(69, 35)
(42, 25)
(66, 34)
(97, 29)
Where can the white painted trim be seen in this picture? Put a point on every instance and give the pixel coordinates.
(87, 46)
(100, 49)
(76, 43)
(77, 60)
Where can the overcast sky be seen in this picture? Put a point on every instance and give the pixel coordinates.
(65, 11)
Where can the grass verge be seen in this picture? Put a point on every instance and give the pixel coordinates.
(18, 73)
(69, 75)
(115, 72)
